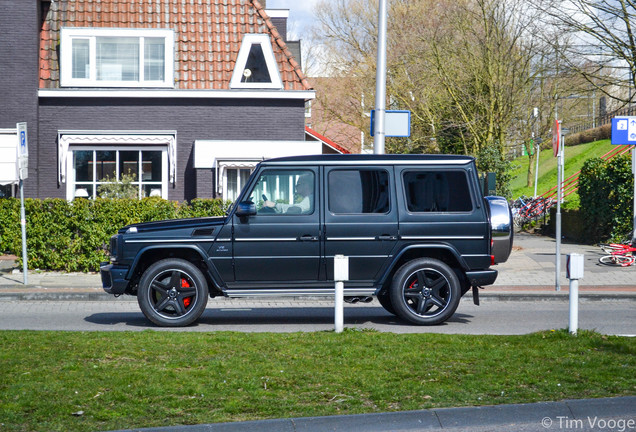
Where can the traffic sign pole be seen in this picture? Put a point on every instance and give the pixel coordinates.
(557, 144)
(624, 132)
(23, 172)
(634, 173)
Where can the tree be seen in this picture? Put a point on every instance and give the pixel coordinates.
(604, 36)
(465, 69)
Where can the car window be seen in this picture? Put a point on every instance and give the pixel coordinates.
(284, 192)
(437, 191)
(356, 191)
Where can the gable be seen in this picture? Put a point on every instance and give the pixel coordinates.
(208, 36)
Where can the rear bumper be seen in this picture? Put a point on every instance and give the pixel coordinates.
(114, 278)
(482, 277)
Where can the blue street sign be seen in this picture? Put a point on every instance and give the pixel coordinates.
(624, 130)
(397, 123)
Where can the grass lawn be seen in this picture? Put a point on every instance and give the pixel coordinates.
(574, 158)
(87, 381)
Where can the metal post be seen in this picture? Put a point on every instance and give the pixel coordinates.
(560, 166)
(380, 82)
(339, 305)
(634, 173)
(23, 225)
(575, 271)
(536, 171)
(574, 306)
(340, 274)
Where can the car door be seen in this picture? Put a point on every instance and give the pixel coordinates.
(361, 219)
(440, 210)
(281, 243)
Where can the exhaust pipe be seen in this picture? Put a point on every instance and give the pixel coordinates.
(354, 300)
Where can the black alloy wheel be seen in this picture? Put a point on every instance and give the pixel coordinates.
(172, 293)
(425, 291)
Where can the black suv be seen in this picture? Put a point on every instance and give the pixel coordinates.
(416, 228)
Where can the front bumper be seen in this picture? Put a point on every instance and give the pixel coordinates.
(114, 278)
(482, 277)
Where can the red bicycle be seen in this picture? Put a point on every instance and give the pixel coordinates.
(618, 254)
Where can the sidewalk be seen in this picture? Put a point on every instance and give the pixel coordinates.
(528, 273)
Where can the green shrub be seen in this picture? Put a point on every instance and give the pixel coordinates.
(606, 193)
(74, 236)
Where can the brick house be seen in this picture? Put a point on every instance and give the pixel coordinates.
(184, 95)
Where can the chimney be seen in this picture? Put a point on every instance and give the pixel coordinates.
(279, 19)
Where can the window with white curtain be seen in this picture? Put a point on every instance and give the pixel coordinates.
(145, 168)
(100, 57)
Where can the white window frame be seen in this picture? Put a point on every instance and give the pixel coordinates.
(239, 186)
(70, 166)
(270, 60)
(91, 34)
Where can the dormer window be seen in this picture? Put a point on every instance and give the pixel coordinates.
(256, 65)
(100, 57)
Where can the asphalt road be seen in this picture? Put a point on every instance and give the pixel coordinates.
(615, 317)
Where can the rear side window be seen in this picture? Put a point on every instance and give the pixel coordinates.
(437, 191)
(358, 191)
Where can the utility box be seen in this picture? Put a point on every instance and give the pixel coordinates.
(575, 267)
(340, 268)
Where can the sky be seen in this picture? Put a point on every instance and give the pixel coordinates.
(300, 15)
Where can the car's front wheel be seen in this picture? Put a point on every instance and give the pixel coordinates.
(425, 291)
(172, 293)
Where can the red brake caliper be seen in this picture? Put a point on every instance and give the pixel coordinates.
(187, 300)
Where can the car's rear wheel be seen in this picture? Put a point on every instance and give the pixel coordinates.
(172, 293)
(425, 291)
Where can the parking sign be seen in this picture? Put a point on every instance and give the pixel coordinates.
(23, 151)
(623, 130)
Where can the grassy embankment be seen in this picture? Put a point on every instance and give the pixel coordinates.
(574, 159)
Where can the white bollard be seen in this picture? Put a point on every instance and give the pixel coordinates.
(339, 304)
(340, 274)
(574, 306)
(575, 270)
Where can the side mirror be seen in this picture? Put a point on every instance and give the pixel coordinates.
(245, 208)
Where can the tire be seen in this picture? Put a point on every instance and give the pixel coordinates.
(172, 293)
(384, 298)
(425, 291)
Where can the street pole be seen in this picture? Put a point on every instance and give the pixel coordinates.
(23, 226)
(560, 166)
(634, 173)
(537, 141)
(380, 82)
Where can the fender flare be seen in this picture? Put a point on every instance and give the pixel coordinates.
(211, 270)
(440, 246)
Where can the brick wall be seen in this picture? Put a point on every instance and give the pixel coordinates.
(19, 71)
(193, 119)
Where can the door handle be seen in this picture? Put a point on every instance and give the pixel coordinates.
(385, 237)
(308, 237)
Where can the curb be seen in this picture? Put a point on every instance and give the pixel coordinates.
(53, 295)
(534, 416)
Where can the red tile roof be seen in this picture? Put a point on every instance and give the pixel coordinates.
(208, 36)
(326, 140)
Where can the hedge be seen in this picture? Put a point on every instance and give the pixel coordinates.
(74, 236)
(589, 135)
(606, 190)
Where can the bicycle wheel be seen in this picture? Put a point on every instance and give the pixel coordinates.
(617, 260)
